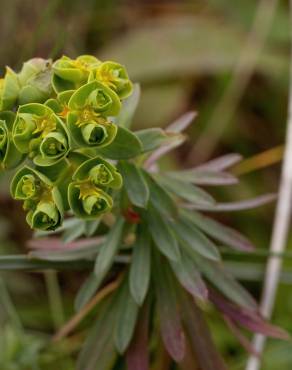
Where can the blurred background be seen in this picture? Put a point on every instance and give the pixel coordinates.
(229, 61)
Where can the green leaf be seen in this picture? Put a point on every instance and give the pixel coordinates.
(162, 234)
(129, 107)
(153, 138)
(190, 278)
(87, 291)
(135, 184)
(169, 316)
(160, 198)
(98, 351)
(124, 146)
(193, 239)
(74, 232)
(186, 191)
(91, 227)
(140, 265)
(223, 281)
(108, 250)
(127, 313)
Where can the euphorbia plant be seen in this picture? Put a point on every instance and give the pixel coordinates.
(153, 257)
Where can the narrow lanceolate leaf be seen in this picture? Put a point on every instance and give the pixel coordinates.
(140, 266)
(129, 107)
(169, 317)
(224, 282)
(182, 123)
(98, 351)
(87, 291)
(153, 138)
(204, 177)
(127, 313)
(190, 278)
(74, 232)
(134, 184)
(235, 206)
(221, 163)
(162, 234)
(125, 145)
(201, 342)
(108, 250)
(160, 198)
(193, 239)
(186, 191)
(91, 227)
(137, 354)
(222, 233)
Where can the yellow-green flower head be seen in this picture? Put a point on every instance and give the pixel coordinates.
(69, 74)
(40, 133)
(10, 157)
(115, 76)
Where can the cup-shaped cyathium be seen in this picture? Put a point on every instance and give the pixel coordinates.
(41, 199)
(9, 89)
(87, 193)
(10, 157)
(115, 76)
(35, 81)
(87, 119)
(60, 104)
(69, 74)
(40, 133)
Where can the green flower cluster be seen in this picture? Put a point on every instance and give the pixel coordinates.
(57, 116)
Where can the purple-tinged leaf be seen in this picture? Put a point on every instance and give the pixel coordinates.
(137, 354)
(190, 278)
(204, 177)
(57, 244)
(169, 317)
(247, 318)
(182, 123)
(201, 342)
(234, 206)
(221, 163)
(222, 233)
(240, 337)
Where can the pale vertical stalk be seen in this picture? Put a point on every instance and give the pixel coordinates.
(241, 76)
(280, 232)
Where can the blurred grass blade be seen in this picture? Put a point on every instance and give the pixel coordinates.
(160, 198)
(162, 234)
(190, 278)
(221, 163)
(204, 177)
(169, 317)
(134, 184)
(127, 313)
(220, 232)
(194, 240)
(187, 191)
(235, 206)
(140, 266)
(201, 342)
(137, 354)
(108, 250)
(129, 107)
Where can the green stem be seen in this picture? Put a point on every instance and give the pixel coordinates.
(55, 298)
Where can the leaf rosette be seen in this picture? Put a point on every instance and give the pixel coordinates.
(115, 76)
(10, 157)
(86, 194)
(87, 119)
(69, 74)
(40, 133)
(41, 199)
